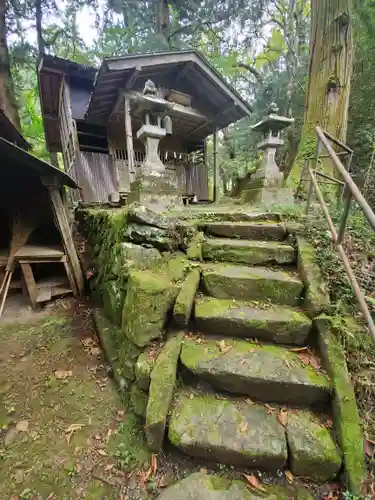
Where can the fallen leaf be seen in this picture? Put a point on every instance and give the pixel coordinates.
(283, 416)
(71, 430)
(95, 351)
(244, 426)
(154, 464)
(163, 481)
(98, 437)
(88, 342)
(203, 470)
(327, 424)
(315, 363)
(108, 467)
(224, 347)
(304, 357)
(102, 452)
(120, 413)
(254, 482)
(270, 409)
(299, 349)
(78, 467)
(63, 374)
(22, 425)
(289, 476)
(249, 402)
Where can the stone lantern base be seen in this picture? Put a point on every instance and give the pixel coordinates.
(159, 193)
(268, 196)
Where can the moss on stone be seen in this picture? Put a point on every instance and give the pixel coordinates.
(194, 250)
(313, 451)
(150, 295)
(317, 296)
(346, 419)
(138, 400)
(280, 324)
(185, 299)
(200, 486)
(248, 368)
(142, 370)
(176, 266)
(163, 380)
(248, 252)
(113, 301)
(251, 283)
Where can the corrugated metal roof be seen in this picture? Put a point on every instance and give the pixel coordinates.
(22, 158)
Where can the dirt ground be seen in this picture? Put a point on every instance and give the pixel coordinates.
(63, 429)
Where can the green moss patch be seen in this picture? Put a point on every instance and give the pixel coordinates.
(313, 451)
(251, 283)
(317, 297)
(150, 295)
(346, 419)
(229, 431)
(200, 486)
(260, 371)
(185, 299)
(194, 249)
(163, 380)
(266, 231)
(248, 252)
(278, 324)
(143, 369)
(138, 400)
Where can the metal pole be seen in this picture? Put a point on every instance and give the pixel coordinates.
(344, 218)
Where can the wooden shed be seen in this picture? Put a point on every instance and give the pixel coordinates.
(36, 247)
(90, 116)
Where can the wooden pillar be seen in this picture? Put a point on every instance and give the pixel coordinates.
(64, 228)
(216, 169)
(129, 135)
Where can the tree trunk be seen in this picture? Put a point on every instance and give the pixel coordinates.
(7, 97)
(39, 32)
(162, 14)
(331, 60)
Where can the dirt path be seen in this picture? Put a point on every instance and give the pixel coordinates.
(63, 429)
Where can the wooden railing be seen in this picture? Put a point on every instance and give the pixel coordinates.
(349, 191)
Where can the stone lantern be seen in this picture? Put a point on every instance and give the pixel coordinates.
(266, 185)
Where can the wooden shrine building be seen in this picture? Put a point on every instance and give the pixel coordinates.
(37, 253)
(94, 117)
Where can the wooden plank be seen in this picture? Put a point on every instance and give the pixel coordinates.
(30, 283)
(71, 279)
(216, 169)
(129, 136)
(39, 252)
(44, 295)
(63, 225)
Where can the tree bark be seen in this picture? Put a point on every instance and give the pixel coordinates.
(162, 14)
(330, 70)
(7, 96)
(39, 32)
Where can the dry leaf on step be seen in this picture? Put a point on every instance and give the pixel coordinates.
(289, 476)
(224, 347)
(95, 351)
(154, 464)
(71, 430)
(22, 426)
(254, 482)
(244, 426)
(63, 374)
(369, 448)
(270, 409)
(102, 452)
(283, 416)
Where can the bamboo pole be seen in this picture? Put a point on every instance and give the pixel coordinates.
(216, 170)
(129, 136)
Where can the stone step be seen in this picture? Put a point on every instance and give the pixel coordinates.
(280, 324)
(226, 281)
(200, 486)
(209, 215)
(266, 231)
(264, 372)
(238, 432)
(248, 252)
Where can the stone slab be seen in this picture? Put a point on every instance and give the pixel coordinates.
(162, 385)
(280, 324)
(263, 372)
(246, 230)
(185, 299)
(142, 370)
(143, 215)
(248, 252)
(228, 431)
(313, 452)
(149, 297)
(200, 486)
(138, 400)
(251, 283)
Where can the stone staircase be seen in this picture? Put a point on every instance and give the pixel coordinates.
(254, 393)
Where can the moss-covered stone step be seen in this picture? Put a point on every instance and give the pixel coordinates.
(248, 252)
(267, 231)
(263, 372)
(199, 486)
(228, 431)
(225, 215)
(251, 283)
(280, 324)
(237, 431)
